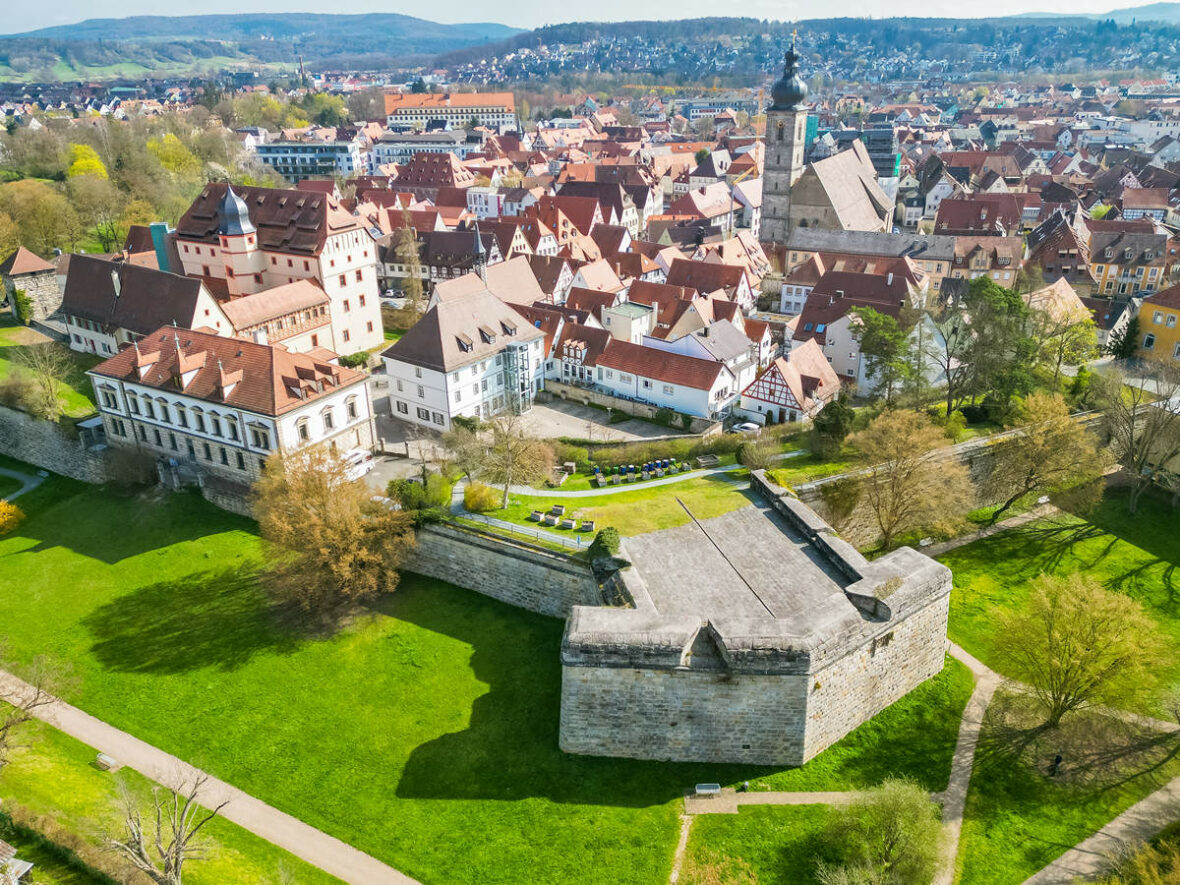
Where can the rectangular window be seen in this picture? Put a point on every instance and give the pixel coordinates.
(346, 336)
(669, 389)
(403, 408)
(360, 278)
(1148, 341)
(343, 279)
(241, 461)
(423, 414)
(347, 306)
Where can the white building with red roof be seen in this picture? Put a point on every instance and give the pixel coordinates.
(223, 405)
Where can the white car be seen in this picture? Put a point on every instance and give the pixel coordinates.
(747, 427)
(358, 462)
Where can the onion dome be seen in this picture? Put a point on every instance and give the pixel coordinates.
(790, 91)
(235, 217)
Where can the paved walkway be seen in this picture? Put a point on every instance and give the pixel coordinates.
(317, 848)
(729, 800)
(1138, 823)
(954, 800)
(1040, 512)
(28, 482)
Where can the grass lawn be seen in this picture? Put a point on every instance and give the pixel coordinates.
(645, 509)
(780, 844)
(76, 391)
(1018, 819)
(8, 485)
(807, 468)
(424, 732)
(52, 775)
(1133, 555)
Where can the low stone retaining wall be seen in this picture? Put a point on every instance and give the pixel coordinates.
(50, 446)
(529, 577)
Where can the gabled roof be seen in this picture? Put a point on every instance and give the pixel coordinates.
(286, 220)
(255, 377)
(129, 296)
(590, 342)
(705, 276)
(449, 334)
(669, 368)
(805, 372)
(270, 304)
(22, 261)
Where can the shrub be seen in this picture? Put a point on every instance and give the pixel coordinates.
(414, 495)
(480, 498)
(955, 425)
(10, 517)
(755, 454)
(17, 391)
(563, 452)
(357, 360)
(471, 423)
(606, 543)
(975, 414)
(24, 307)
(997, 407)
(685, 421)
(664, 416)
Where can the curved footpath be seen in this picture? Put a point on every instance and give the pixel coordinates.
(28, 483)
(317, 848)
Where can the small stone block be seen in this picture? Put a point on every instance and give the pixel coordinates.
(549, 519)
(568, 524)
(587, 525)
(103, 762)
(558, 510)
(535, 516)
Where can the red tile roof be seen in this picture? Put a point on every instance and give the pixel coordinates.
(670, 368)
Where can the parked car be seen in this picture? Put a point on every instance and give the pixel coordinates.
(358, 462)
(746, 427)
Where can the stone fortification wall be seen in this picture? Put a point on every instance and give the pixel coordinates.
(522, 575)
(829, 496)
(643, 685)
(683, 715)
(50, 446)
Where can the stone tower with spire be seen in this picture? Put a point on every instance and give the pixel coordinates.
(786, 129)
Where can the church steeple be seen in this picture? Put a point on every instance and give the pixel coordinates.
(786, 134)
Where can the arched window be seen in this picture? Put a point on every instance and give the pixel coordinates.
(231, 426)
(303, 430)
(165, 416)
(328, 419)
(780, 130)
(198, 419)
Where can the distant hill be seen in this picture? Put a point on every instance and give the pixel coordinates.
(1168, 13)
(134, 46)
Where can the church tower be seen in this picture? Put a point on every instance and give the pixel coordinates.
(786, 129)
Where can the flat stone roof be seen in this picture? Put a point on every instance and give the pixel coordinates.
(748, 564)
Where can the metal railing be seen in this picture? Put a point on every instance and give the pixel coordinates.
(501, 527)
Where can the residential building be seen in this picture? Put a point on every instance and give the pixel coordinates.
(297, 160)
(1124, 263)
(224, 405)
(704, 388)
(1159, 326)
(793, 388)
(401, 147)
(469, 355)
(997, 257)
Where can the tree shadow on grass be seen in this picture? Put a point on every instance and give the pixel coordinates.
(207, 619)
(509, 750)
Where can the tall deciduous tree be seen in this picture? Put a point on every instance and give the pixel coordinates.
(1079, 645)
(514, 456)
(409, 257)
(890, 836)
(1050, 451)
(1062, 339)
(883, 343)
(910, 486)
(468, 451)
(170, 839)
(330, 542)
(1143, 420)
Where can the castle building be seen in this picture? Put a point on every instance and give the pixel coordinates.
(786, 127)
(247, 240)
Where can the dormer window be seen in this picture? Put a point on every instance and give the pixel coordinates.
(465, 343)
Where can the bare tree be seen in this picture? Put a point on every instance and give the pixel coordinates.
(1050, 451)
(514, 456)
(1079, 645)
(49, 365)
(911, 484)
(468, 451)
(28, 696)
(161, 849)
(1143, 420)
(329, 540)
(408, 255)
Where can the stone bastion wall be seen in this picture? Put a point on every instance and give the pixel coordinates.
(641, 684)
(520, 574)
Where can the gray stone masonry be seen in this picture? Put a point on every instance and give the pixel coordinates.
(758, 637)
(50, 446)
(41, 288)
(520, 574)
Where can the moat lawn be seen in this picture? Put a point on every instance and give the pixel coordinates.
(423, 732)
(780, 844)
(1136, 555)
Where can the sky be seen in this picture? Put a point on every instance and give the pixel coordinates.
(24, 16)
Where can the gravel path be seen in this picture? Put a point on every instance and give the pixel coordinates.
(28, 482)
(317, 848)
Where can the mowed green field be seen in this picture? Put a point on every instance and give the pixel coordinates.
(424, 732)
